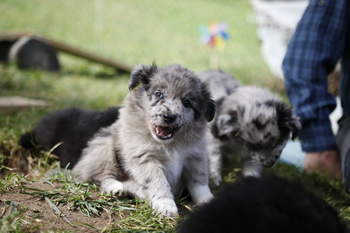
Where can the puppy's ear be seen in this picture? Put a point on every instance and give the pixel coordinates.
(209, 110)
(227, 124)
(209, 105)
(287, 122)
(295, 124)
(142, 74)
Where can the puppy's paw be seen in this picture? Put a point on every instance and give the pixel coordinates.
(165, 206)
(215, 179)
(251, 172)
(205, 198)
(200, 194)
(113, 186)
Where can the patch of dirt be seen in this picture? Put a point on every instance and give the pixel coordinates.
(36, 213)
(40, 216)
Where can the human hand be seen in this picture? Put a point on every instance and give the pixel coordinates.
(326, 162)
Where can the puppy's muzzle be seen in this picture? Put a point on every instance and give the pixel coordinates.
(166, 130)
(269, 162)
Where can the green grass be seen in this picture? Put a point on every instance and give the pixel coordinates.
(12, 221)
(132, 32)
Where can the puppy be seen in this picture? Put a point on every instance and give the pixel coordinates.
(269, 204)
(250, 122)
(72, 127)
(156, 148)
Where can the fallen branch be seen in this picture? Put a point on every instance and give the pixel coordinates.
(69, 49)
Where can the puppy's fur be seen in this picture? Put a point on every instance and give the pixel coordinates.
(250, 122)
(72, 127)
(269, 204)
(157, 146)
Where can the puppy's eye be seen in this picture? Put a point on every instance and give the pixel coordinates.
(238, 138)
(159, 95)
(187, 103)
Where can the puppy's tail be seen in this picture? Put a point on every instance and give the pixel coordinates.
(28, 140)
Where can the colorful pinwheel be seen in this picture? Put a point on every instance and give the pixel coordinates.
(214, 34)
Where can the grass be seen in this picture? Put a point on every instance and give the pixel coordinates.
(12, 221)
(132, 32)
(65, 193)
(84, 199)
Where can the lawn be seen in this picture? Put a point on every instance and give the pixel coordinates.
(130, 32)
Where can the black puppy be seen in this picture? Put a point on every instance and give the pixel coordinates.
(74, 127)
(270, 204)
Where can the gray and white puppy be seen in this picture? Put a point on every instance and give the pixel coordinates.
(250, 122)
(157, 146)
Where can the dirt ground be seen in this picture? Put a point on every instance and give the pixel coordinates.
(40, 216)
(23, 207)
(36, 213)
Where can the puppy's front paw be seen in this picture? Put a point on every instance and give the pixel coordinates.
(251, 172)
(165, 206)
(113, 186)
(205, 199)
(251, 168)
(200, 193)
(216, 180)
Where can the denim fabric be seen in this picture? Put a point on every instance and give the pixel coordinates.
(317, 44)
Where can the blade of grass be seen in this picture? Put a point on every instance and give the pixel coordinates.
(58, 211)
(89, 225)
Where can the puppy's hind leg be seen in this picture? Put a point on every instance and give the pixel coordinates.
(99, 164)
(113, 186)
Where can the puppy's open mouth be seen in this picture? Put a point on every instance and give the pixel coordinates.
(164, 132)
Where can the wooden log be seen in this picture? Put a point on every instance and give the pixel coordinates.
(60, 46)
(18, 103)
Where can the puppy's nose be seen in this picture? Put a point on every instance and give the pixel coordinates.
(169, 118)
(268, 163)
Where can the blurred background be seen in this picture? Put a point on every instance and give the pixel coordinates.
(142, 31)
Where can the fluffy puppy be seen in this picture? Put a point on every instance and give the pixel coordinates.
(250, 122)
(156, 148)
(269, 204)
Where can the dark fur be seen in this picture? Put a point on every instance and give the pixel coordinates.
(270, 204)
(74, 127)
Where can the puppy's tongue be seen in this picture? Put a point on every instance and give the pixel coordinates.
(164, 132)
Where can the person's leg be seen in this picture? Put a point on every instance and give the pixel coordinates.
(343, 143)
(345, 81)
(343, 136)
